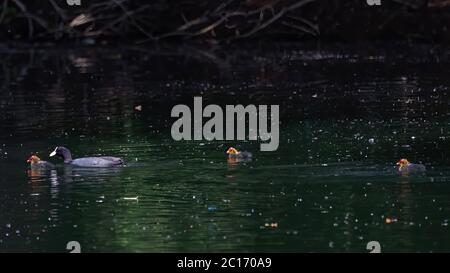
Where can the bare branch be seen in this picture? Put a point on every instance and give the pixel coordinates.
(5, 6)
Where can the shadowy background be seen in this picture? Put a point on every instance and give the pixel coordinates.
(124, 21)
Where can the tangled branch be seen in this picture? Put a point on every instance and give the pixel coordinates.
(158, 20)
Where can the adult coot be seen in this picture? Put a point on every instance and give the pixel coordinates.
(99, 162)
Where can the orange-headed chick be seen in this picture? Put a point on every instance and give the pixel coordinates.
(405, 167)
(241, 156)
(36, 162)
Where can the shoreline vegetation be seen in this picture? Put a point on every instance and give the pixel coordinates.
(52, 22)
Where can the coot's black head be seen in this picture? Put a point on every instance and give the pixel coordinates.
(62, 152)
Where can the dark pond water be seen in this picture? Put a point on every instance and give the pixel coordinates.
(348, 114)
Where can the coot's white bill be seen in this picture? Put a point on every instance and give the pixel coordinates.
(54, 152)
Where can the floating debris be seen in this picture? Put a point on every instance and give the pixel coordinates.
(138, 108)
(272, 225)
(131, 198)
(390, 220)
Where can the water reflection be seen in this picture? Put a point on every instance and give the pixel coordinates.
(346, 118)
(69, 171)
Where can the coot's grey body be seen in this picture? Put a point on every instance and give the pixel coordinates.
(95, 162)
